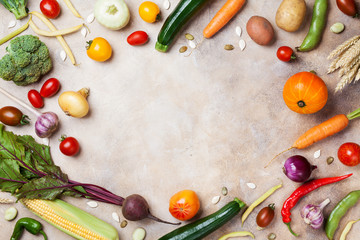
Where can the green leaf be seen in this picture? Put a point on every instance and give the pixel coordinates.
(10, 176)
(9, 147)
(39, 152)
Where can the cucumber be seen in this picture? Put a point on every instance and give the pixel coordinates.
(204, 226)
(175, 21)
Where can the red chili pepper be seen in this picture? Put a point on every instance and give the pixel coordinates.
(302, 191)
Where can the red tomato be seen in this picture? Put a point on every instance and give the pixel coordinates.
(348, 7)
(184, 205)
(50, 87)
(69, 146)
(137, 38)
(349, 154)
(265, 216)
(285, 54)
(35, 99)
(50, 8)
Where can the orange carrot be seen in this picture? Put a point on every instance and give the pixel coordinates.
(323, 130)
(222, 17)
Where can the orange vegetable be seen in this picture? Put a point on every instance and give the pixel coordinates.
(149, 12)
(184, 205)
(305, 93)
(222, 17)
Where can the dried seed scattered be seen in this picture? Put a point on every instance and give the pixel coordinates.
(12, 24)
(215, 199)
(90, 18)
(337, 27)
(92, 204)
(63, 55)
(242, 44)
(139, 234)
(192, 44)
(251, 185)
(115, 216)
(188, 36)
(271, 236)
(317, 153)
(238, 31)
(224, 191)
(166, 4)
(123, 224)
(10, 214)
(329, 160)
(183, 49)
(84, 32)
(228, 47)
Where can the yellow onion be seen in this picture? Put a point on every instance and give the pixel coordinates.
(74, 103)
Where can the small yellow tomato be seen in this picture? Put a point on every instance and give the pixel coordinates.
(99, 49)
(149, 12)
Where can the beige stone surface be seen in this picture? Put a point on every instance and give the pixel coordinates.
(161, 123)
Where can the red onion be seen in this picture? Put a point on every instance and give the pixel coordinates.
(298, 169)
(46, 124)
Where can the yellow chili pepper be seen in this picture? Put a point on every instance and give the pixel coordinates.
(258, 201)
(347, 229)
(237, 234)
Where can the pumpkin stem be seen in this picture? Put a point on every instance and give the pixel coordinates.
(301, 103)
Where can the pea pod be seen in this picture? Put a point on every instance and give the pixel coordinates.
(317, 26)
(339, 211)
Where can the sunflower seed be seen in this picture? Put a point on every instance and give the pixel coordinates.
(63, 55)
(188, 36)
(166, 4)
(192, 44)
(251, 185)
(215, 199)
(329, 160)
(242, 44)
(90, 18)
(123, 224)
(183, 49)
(115, 216)
(12, 24)
(224, 191)
(92, 204)
(317, 154)
(84, 32)
(228, 47)
(238, 31)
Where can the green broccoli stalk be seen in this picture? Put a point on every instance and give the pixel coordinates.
(17, 7)
(27, 60)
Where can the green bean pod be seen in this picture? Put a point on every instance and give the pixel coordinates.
(317, 26)
(339, 211)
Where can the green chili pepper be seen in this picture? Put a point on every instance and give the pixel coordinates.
(318, 22)
(339, 211)
(31, 225)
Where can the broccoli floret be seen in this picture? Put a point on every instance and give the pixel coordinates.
(17, 7)
(27, 60)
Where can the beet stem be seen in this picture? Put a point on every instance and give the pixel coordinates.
(159, 220)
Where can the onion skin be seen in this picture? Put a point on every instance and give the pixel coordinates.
(74, 103)
(298, 169)
(46, 124)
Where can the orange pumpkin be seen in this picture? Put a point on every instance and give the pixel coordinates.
(305, 93)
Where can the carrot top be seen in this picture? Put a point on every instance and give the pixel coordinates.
(354, 114)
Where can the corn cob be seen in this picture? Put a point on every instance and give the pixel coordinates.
(71, 220)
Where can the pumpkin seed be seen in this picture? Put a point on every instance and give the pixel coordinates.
(215, 199)
(92, 204)
(242, 44)
(166, 4)
(115, 216)
(123, 224)
(63, 55)
(337, 27)
(272, 236)
(12, 24)
(251, 185)
(238, 31)
(90, 18)
(224, 191)
(188, 36)
(330, 160)
(183, 49)
(317, 154)
(192, 44)
(228, 47)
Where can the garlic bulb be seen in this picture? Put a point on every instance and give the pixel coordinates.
(313, 214)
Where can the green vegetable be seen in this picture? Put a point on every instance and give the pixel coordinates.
(204, 226)
(27, 60)
(318, 22)
(17, 7)
(339, 211)
(176, 20)
(31, 225)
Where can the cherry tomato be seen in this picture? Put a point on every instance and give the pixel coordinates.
(149, 12)
(99, 49)
(265, 216)
(137, 38)
(35, 99)
(184, 205)
(349, 154)
(285, 54)
(50, 87)
(50, 8)
(69, 146)
(348, 7)
(12, 116)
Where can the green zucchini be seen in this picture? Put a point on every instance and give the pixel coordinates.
(204, 226)
(175, 21)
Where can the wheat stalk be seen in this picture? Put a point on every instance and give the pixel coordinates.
(349, 55)
(348, 67)
(348, 78)
(357, 78)
(343, 47)
(332, 66)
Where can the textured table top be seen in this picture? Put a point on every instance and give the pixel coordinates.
(161, 123)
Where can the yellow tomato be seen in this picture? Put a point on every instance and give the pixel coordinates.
(99, 49)
(149, 12)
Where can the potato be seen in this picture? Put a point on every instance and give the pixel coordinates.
(290, 15)
(260, 30)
